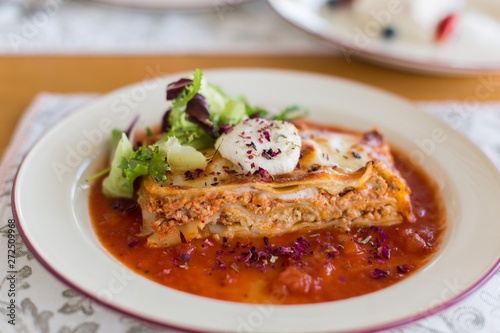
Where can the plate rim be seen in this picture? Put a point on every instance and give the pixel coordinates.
(393, 324)
(178, 5)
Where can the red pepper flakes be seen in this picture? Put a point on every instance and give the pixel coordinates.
(266, 154)
(403, 269)
(386, 251)
(225, 129)
(264, 174)
(252, 144)
(188, 175)
(267, 135)
(378, 274)
(235, 267)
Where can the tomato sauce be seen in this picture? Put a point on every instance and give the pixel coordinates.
(325, 265)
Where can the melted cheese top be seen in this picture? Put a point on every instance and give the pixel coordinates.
(335, 159)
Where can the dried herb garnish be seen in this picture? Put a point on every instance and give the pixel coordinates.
(403, 269)
(379, 273)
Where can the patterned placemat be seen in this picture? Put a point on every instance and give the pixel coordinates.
(44, 304)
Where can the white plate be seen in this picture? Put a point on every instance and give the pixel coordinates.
(474, 50)
(173, 4)
(50, 200)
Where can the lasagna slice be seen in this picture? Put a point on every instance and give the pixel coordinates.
(342, 179)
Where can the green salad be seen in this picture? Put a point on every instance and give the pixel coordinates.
(199, 112)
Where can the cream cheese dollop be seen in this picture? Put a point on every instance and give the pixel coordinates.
(261, 143)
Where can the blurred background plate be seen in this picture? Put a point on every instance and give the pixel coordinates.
(474, 49)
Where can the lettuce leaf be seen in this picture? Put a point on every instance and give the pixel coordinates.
(189, 91)
(199, 111)
(115, 184)
(187, 132)
(127, 165)
(181, 158)
(291, 113)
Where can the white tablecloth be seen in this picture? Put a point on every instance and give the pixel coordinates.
(44, 304)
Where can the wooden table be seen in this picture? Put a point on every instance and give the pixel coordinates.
(22, 78)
